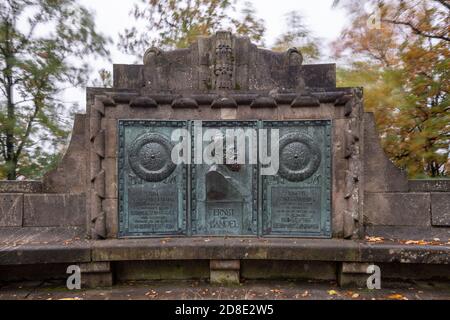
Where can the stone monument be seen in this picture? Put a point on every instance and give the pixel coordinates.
(117, 181)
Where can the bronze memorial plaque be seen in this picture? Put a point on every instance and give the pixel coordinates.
(152, 189)
(224, 196)
(297, 201)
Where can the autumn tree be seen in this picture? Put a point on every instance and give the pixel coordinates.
(297, 35)
(40, 41)
(404, 65)
(175, 24)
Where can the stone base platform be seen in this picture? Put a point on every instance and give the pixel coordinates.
(218, 259)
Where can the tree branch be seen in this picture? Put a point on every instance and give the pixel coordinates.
(3, 149)
(417, 30)
(27, 131)
(445, 3)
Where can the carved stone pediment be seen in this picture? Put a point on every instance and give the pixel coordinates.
(222, 62)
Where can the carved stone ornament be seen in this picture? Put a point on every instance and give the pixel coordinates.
(150, 53)
(223, 68)
(299, 157)
(150, 157)
(295, 57)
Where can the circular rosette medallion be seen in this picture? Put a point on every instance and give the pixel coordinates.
(150, 157)
(299, 157)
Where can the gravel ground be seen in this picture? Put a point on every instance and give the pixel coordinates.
(250, 290)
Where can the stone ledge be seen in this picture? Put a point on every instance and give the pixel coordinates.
(397, 209)
(224, 249)
(440, 209)
(438, 185)
(54, 210)
(28, 186)
(45, 254)
(11, 208)
(408, 232)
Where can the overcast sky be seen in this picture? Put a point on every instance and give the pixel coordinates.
(112, 17)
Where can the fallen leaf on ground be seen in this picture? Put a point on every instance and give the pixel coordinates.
(397, 297)
(375, 239)
(276, 291)
(355, 296)
(332, 292)
(152, 294)
(422, 242)
(417, 242)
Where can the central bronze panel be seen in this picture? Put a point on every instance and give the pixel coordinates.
(224, 196)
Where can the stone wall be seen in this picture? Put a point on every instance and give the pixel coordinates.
(58, 201)
(395, 207)
(24, 205)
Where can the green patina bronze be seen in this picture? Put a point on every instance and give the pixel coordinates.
(226, 197)
(152, 189)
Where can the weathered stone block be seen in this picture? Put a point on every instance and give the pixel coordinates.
(287, 270)
(11, 210)
(225, 271)
(96, 274)
(440, 209)
(352, 267)
(225, 264)
(352, 280)
(353, 274)
(380, 174)
(401, 209)
(70, 175)
(54, 210)
(110, 138)
(95, 267)
(127, 76)
(97, 280)
(112, 221)
(20, 186)
(429, 185)
(110, 167)
(224, 277)
(340, 166)
(408, 232)
(162, 270)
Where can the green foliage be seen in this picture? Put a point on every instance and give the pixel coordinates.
(175, 24)
(40, 41)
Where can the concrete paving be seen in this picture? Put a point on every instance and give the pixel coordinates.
(251, 290)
